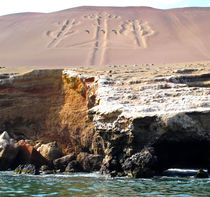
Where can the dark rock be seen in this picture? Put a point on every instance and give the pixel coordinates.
(186, 71)
(89, 162)
(91, 101)
(30, 169)
(201, 174)
(141, 164)
(113, 173)
(178, 140)
(110, 166)
(73, 166)
(27, 169)
(28, 154)
(18, 170)
(62, 162)
(46, 170)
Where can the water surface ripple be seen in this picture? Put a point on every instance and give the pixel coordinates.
(94, 184)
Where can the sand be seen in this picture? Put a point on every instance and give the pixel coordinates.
(100, 36)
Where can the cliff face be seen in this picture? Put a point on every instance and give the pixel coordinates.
(140, 127)
(48, 105)
(169, 116)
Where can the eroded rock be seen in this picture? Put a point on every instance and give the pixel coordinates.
(29, 155)
(50, 151)
(143, 164)
(62, 162)
(49, 105)
(27, 169)
(99, 118)
(8, 151)
(74, 166)
(89, 162)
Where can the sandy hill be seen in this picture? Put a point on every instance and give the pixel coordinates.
(105, 35)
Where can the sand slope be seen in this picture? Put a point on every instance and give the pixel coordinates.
(105, 35)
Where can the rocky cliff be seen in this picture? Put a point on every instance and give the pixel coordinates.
(140, 126)
(48, 105)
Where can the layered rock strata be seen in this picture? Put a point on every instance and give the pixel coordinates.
(140, 127)
(46, 106)
(149, 125)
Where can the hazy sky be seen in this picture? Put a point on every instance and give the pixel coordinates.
(15, 6)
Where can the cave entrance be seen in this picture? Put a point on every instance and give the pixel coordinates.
(185, 154)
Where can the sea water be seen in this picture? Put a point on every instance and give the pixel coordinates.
(94, 184)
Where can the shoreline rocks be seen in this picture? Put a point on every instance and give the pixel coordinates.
(89, 162)
(142, 164)
(29, 155)
(201, 174)
(50, 151)
(62, 162)
(27, 169)
(96, 123)
(8, 151)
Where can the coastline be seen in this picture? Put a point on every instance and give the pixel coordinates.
(98, 185)
(90, 119)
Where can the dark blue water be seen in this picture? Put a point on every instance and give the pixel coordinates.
(94, 184)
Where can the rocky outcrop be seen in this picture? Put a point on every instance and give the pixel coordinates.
(180, 140)
(49, 105)
(166, 115)
(135, 127)
(61, 163)
(74, 166)
(27, 169)
(8, 151)
(50, 151)
(29, 155)
(142, 164)
(89, 162)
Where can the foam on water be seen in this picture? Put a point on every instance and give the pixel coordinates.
(179, 172)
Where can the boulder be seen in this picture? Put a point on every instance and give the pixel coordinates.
(73, 166)
(89, 162)
(111, 166)
(8, 151)
(141, 164)
(27, 169)
(62, 162)
(28, 154)
(50, 151)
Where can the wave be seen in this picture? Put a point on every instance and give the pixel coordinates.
(181, 172)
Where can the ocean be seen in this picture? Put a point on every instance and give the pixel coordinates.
(95, 184)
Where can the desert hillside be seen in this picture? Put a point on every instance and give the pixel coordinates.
(105, 35)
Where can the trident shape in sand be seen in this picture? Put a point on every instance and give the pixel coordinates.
(106, 31)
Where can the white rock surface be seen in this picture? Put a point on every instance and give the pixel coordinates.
(148, 98)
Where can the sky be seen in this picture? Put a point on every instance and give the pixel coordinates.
(16, 6)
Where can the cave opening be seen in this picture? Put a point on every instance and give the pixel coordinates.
(184, 154)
